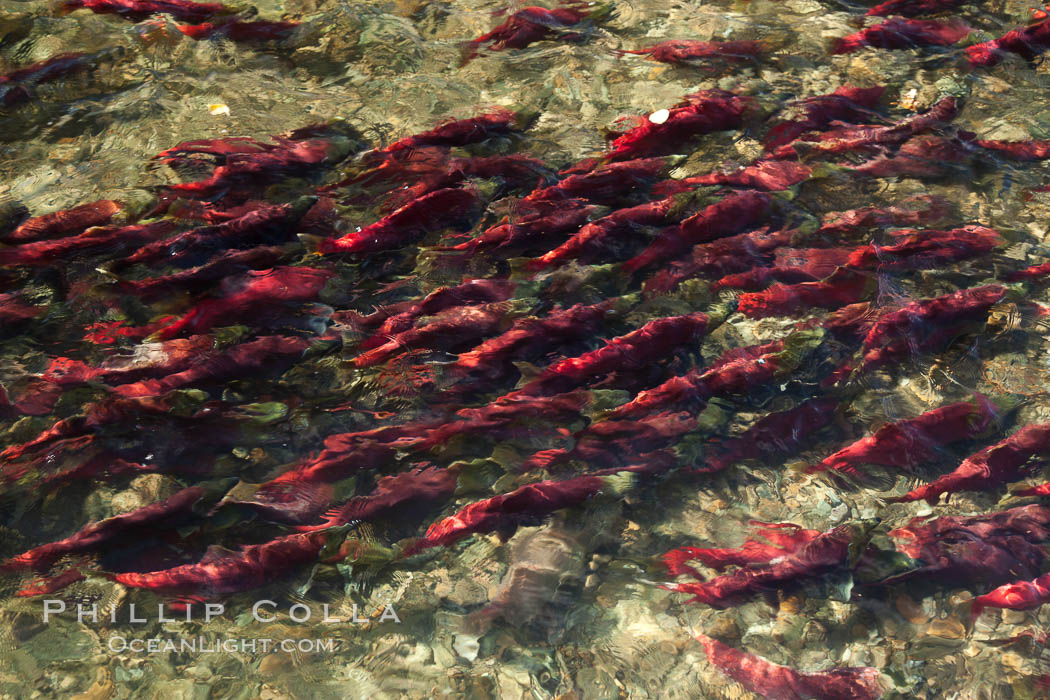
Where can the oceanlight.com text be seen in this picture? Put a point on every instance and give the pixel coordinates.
(199, 645)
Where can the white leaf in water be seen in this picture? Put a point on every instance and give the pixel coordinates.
(659, 116)
(218, 109)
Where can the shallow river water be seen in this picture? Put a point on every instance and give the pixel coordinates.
(341, 357)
